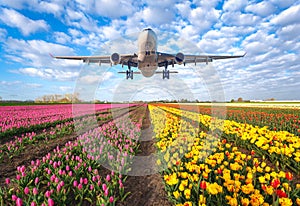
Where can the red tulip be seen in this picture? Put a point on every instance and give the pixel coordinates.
(289, 176)
(275, 183)
(203, 185)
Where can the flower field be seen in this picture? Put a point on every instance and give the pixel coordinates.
(50, 155)
(246, 165)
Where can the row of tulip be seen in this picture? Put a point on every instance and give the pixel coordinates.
(208, 171)
(26, 118)
(281, 147)
(18, 144)
(73, 174)
(277, 119)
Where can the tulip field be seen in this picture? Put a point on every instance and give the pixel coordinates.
(58, 155)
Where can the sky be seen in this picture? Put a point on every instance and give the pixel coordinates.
(267, 31)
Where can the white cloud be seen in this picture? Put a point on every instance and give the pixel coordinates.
(3, 34)
(81, 20)
(26, 25)
(34, 52)
(234, 5)
(50, 74)
(65, 88)
(239, 19)
(290, 32)
(34, 85)
(61, 37)
(157, 16)
(263, 9)
(9, 83)
(114, 9)
(95, 78)
(288, 16)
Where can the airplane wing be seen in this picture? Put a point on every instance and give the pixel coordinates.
(122, 59)
(180, 58)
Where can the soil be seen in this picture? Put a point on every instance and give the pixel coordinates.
(147, 190)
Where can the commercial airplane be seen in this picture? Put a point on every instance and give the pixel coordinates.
(148, 59)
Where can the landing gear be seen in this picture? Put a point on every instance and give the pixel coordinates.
(166, 72)
(129, 72)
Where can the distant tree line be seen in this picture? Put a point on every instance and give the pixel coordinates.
(58, 98)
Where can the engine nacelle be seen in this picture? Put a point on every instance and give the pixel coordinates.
(115, 58)
(179, 58)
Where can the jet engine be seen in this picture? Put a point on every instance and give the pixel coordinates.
(179, 58)
(115, 58)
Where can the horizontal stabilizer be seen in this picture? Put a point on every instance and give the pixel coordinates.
(133, 72)
(171, 72)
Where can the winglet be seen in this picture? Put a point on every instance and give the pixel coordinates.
(51, 55)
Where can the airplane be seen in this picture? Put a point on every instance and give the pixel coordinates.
(147, 59)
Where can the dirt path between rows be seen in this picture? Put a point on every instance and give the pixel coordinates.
(145, 190)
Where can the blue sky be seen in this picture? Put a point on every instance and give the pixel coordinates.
(269, 31)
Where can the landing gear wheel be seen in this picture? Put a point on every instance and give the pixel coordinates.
(166, 74)
(129, 74)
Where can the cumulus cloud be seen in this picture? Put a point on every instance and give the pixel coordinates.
(34, 52)
(157, 15)
(263, 9)
(234, 5)
(26, 25)
(50, 74)
(288, 16)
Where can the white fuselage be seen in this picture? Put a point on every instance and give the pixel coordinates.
(147, 52)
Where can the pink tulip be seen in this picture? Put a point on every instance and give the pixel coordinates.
(104, 187)
(7, 181)
(19, 202)
(47, 193)
(18, 177)
(75, 183)
(108, 178)
(14, 197)
(26, 190)
(50, 202)
(35, 191)
(91, 187)
(36, 180)
(33, 204)
(106, 192)
(80, 186)
(111, 199)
